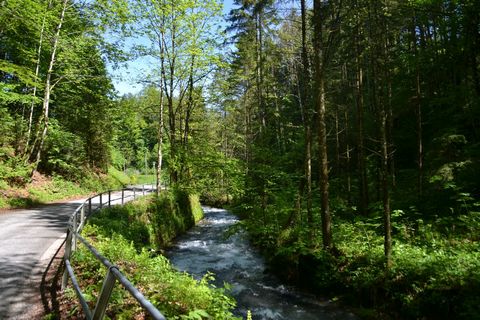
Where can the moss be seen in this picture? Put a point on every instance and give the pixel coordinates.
(174, 213)
(151, 221)
(196, 207)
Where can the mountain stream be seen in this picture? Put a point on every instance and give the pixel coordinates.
(233, 260)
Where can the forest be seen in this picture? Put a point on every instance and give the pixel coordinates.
(344, 133)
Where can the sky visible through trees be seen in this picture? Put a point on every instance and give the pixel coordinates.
(345, 133)
(126, 79)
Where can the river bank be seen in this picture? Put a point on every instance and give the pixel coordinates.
(434, 275)
(232, 259)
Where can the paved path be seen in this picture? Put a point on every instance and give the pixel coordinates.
(28, 240)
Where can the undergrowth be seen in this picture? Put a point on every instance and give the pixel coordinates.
(131, 237)
(435, 272)
(151, 221)
(27, 192)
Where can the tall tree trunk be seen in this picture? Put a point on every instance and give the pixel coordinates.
(248, 136)
(171, 111)
(308, 177)
(473, 35)
(391, 149)
(306, 105)
(348, 159)
(384, 142)
(362, 176)
(261, 70)
(48, 89)
(337, 144)
(383, 172)
(160, 110)
(389, 108)
(385, 189)
(322, 130)
(190, 101)
(279, 126)
(418, 109)
(259, 74)
(34, 93)
(305, 62)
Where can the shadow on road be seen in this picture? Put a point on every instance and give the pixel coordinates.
(50, 284)
(15, 279)
(55, 217)
(24, 276)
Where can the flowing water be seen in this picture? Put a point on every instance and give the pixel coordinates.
(233, 260)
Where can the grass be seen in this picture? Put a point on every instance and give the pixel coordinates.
(145, 179)
(52, 189)
(129, 237)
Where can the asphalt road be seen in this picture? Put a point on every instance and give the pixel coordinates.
(28, 240)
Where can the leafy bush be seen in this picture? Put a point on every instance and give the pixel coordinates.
(177, 295)
(64, 153)
(13, 172)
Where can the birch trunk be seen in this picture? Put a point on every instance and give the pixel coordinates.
(48, 91)
(160, 111)
(34, 93)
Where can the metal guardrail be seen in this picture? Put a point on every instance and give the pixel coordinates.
(76, 223)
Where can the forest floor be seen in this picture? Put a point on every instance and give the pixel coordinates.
(43, 189)
(40, 190)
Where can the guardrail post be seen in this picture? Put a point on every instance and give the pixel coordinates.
(74, 237)
(105, 294)
(143, 189)
(109, 198)
(134, 195)
(68, 250)
(100, 200)
(82, 216)
(123, 192)
(89, 206)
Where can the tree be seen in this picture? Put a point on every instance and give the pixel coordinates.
(182, 42)
(41, 133)
(51, 51)
(322, 53)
